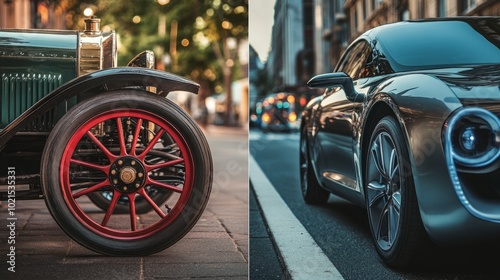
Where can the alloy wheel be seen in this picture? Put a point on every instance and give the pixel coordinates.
(384, 190)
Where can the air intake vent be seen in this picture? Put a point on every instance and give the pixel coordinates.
(21, 91)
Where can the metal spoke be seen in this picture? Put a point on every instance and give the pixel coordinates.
(380, 225)
(103, 168)
(379, 189)
(111, 208)
(131, 202)
(155, 207)
(392, 224)
(376, 156)
(94, 188)
(136, 137)
(121, 137)
(150, 181)
(151, 144)
(101, 146)
(396, 201)
(163, 164)
(393, 164)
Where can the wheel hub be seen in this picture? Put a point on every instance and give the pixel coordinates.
(127, 174)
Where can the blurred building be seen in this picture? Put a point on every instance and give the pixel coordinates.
(330, 33)
(287, 41)
(32, 14)
(255, 67)
(307, 36)
(365, 14)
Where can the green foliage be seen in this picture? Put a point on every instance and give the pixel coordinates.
(200, 49)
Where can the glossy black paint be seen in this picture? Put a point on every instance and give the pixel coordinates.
(397, 77)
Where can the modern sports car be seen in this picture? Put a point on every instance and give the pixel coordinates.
(408, 127)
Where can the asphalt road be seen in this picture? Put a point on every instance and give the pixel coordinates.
(341, 229)
(216, 248)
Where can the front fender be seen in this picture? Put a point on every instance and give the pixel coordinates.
(98, 82)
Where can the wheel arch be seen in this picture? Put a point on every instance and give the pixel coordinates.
(381, 107)
(96, 83)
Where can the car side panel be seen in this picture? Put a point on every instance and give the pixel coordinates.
(335, 161)
(423, 104)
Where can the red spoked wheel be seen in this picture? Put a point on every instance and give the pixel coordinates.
(113, 143)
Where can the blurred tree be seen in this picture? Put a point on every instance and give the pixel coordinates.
(198, 39)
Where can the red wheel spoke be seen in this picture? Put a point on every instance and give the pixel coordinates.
(111, 208)
(136, 136)
(164, 164)
(91, 189)
(157, 209)
(103, 168)
(150, 181)
(121, 138)
(120, 168)
(152, 144)
(101, 146)
(131, 202)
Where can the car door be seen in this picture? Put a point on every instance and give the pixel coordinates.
(335, 156)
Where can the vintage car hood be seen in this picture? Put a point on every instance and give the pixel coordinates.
(474, 85)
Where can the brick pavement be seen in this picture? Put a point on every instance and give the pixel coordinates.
(216, 248)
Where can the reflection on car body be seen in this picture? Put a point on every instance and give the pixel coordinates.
(408, 128)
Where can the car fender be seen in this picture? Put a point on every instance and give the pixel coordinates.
(422, 103)
(309, 122)
(100, 82)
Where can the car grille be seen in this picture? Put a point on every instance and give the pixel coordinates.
(20, 91)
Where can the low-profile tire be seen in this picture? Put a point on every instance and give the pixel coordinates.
(311, 191)
(125, 167)
(393, 213)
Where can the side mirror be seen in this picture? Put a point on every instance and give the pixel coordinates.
(337, 79)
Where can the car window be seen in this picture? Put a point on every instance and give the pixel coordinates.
(417, 45)
(354, 62)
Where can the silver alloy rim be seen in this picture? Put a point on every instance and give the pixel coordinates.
(384, 190)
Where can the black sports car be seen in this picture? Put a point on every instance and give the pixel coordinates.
(408, 127)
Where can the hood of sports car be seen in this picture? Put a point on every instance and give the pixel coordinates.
(474, 85)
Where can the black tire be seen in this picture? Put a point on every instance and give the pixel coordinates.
(393, 213)
(311, 191)
(62, 172)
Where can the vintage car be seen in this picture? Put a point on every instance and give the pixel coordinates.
(408, 128)
(76, 128)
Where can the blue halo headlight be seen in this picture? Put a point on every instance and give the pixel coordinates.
(471, 135)
(468, 138)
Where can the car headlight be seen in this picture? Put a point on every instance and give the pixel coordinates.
(472, 134)
(97, 50)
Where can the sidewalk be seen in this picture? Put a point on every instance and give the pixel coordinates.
(225, 131)
(216, 248)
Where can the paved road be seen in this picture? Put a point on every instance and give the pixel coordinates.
(340, 228)
(216, 248)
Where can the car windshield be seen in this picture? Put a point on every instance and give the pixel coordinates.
(416, 45)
